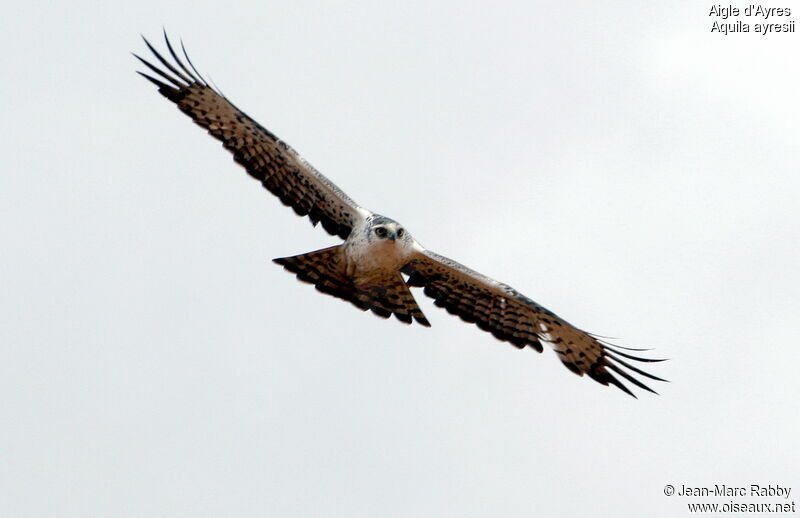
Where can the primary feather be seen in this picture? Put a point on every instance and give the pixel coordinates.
(264, 156)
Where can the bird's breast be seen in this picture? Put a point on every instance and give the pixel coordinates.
(376, 255)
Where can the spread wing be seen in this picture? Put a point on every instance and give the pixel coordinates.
(513, 317)
(265, 157)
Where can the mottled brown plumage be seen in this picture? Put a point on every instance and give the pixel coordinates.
(386, 293)
(512, 317)
(366, 269)
(265, 157)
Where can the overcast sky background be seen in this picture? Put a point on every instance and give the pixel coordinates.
(615, 162)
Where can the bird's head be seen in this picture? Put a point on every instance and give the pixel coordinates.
(383, 229)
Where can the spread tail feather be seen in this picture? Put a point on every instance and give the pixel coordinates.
(385, 294)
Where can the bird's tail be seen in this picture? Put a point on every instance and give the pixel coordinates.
(325, 269)
(385, 295)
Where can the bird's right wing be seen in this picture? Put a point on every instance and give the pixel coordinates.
(265, 157)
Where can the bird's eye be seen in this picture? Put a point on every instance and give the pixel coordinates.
(380, 232)
(400, 232)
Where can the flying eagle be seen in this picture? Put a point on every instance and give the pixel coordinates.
(368, 268)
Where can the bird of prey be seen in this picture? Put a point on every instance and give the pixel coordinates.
(379, 259)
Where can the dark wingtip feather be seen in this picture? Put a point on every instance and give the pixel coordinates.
(604, 340)
(631, 378)
(166, 63)
(159, 71)
(177, 59)
(601, 375)
(634, 369)
(635, 358)
(615, 353)
(625, 389)
(188, 60)
(163, 88)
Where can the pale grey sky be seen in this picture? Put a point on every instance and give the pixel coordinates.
(616, 162)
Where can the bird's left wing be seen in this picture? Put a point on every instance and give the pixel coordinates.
(265, 157)
(512, 317)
